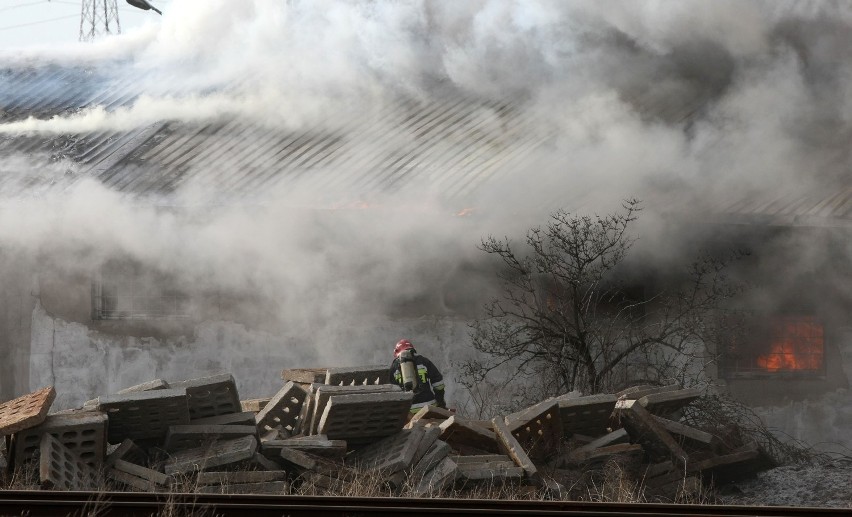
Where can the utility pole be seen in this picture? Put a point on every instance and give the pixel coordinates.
(98, 17)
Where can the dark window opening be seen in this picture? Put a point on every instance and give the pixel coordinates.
(125, 291)
(790, 344)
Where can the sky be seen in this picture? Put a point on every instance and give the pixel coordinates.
(27, 23)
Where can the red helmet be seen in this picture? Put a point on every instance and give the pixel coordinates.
(403, 344)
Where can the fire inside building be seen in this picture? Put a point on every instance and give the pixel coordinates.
(90, 330)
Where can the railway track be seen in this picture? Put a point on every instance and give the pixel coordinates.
(103, 504)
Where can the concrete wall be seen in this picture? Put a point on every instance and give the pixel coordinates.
(17, 298)
(83, 363)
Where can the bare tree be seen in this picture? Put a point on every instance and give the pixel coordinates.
(567, 319)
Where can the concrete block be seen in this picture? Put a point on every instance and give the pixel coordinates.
(261, 462)
(666, 403)
(139, 471)
(482, 458)
(190, 436)
(282, 411)
(305, 375)
(637, 392)
(429, 413)
(696, 436)
(127, 450)
(437, 479)
(509, 445)
(211, 396)
(586, 415)
(645, 430)
(437, 452)
(156, 384)
(600, 454)
(143, 415)
(321, 393)
(461, 434)
(538, 429)
(728, 468)
(131, 480)
(83, 433)
(270, 487)
(219, 454)
(395, 453)
(303, 462)
(614, 438)
(358, 375)
(237, 477)
(365, 417)
(487, 466)
(430, 436)
(244, 418)
(27, 411)
(317, 444)
(254, 405)
(61, 469)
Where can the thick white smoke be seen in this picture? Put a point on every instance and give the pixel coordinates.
(686, 105)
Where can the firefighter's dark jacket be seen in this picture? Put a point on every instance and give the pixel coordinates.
(431, 383)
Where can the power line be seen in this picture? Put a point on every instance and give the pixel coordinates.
(8, 7)
(39, 22)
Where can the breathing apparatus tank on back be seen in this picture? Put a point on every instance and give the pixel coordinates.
(404, 352)
(408, 367)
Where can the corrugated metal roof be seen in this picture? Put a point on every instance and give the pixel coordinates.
(450, 146)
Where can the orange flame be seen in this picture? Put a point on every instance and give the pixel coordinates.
(797, 345)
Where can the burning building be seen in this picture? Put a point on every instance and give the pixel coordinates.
(183, 206)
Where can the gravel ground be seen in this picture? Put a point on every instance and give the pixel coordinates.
(821, 486)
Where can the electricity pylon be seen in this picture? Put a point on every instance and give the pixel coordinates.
(98, 17)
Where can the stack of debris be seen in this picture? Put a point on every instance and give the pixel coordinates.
(326, 428)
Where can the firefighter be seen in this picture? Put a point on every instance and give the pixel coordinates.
(416, 373)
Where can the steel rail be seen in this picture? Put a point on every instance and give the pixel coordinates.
(52, 503)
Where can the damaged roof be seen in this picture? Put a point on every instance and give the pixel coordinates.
(452, 145)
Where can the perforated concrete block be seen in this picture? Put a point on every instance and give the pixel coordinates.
(321, 393)
(538, 429)
(392, 454)
(27, 411)
(191, 435)
(586, 415)
(61, 469)
(364, 417)
(144, 415)
(358, 375)
(211, 396)
(283, 410)
(463, 435)
(217, 455)
(83, 433)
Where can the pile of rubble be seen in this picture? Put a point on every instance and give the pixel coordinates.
(328, 427)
